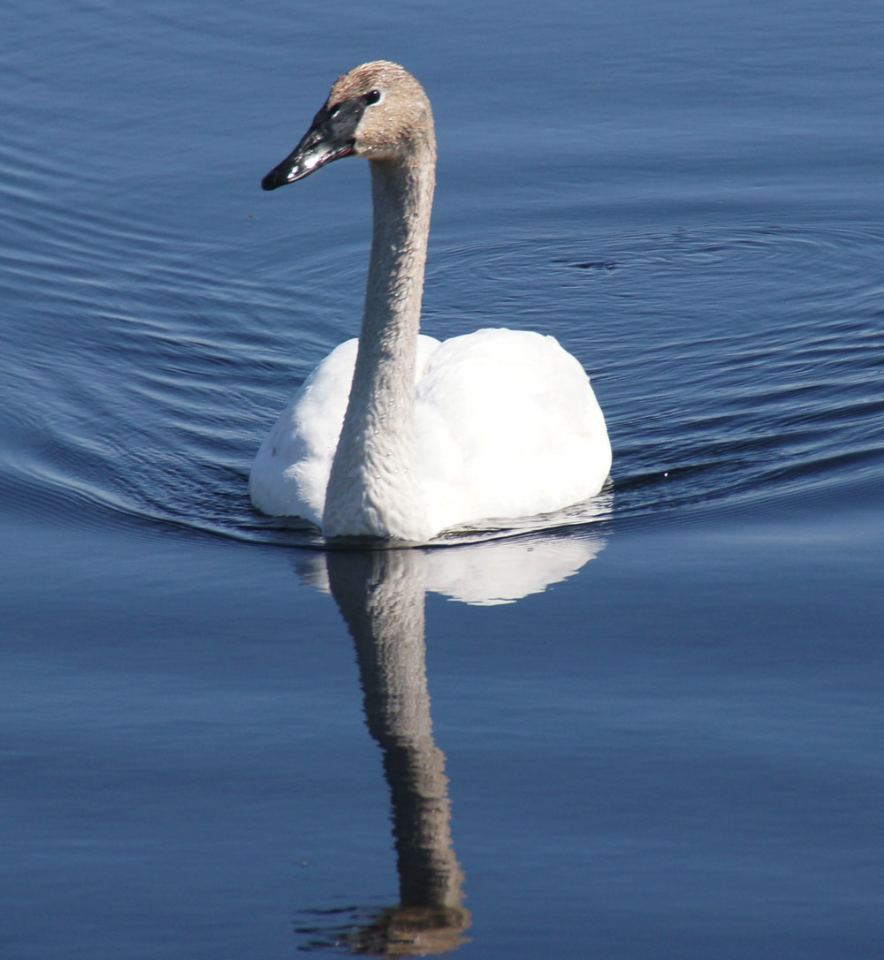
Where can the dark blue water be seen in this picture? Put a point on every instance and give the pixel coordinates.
(657, 734)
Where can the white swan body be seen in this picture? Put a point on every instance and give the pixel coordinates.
(397, 435)
(504, 427)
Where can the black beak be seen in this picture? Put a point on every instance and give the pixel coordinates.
(332, 136)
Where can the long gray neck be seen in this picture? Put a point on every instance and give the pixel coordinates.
(402, 197)
(373, 466)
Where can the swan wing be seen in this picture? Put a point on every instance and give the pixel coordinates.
(508, 426)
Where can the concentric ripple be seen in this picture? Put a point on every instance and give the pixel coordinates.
(735, 367)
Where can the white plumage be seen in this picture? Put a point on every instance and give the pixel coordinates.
(506, 425)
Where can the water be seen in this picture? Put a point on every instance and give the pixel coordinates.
(654, 734)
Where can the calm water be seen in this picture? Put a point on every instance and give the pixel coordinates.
(657, 734)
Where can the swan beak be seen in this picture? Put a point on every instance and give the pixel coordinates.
(332, 136)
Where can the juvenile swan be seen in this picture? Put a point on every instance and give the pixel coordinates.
(397, 435)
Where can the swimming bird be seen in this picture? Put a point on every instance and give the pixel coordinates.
(398, 436)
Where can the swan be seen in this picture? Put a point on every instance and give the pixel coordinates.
(398, 436)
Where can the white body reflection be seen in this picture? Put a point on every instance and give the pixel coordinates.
(380, 594)
(487, 573)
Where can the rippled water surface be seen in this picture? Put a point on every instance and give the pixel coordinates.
(649, 726)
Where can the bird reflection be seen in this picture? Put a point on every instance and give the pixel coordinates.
(380, 594)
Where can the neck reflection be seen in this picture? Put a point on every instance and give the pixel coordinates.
(381, 597)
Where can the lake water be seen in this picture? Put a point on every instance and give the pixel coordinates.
(656, 734)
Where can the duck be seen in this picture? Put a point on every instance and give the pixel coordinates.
(397, 436)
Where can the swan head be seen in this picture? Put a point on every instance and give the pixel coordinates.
(377, 111)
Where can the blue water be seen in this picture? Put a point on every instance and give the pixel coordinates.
(657, 734)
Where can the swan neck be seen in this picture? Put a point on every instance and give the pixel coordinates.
(372, 476)
(402, 198)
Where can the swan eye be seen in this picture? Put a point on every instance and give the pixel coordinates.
(372, 97)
